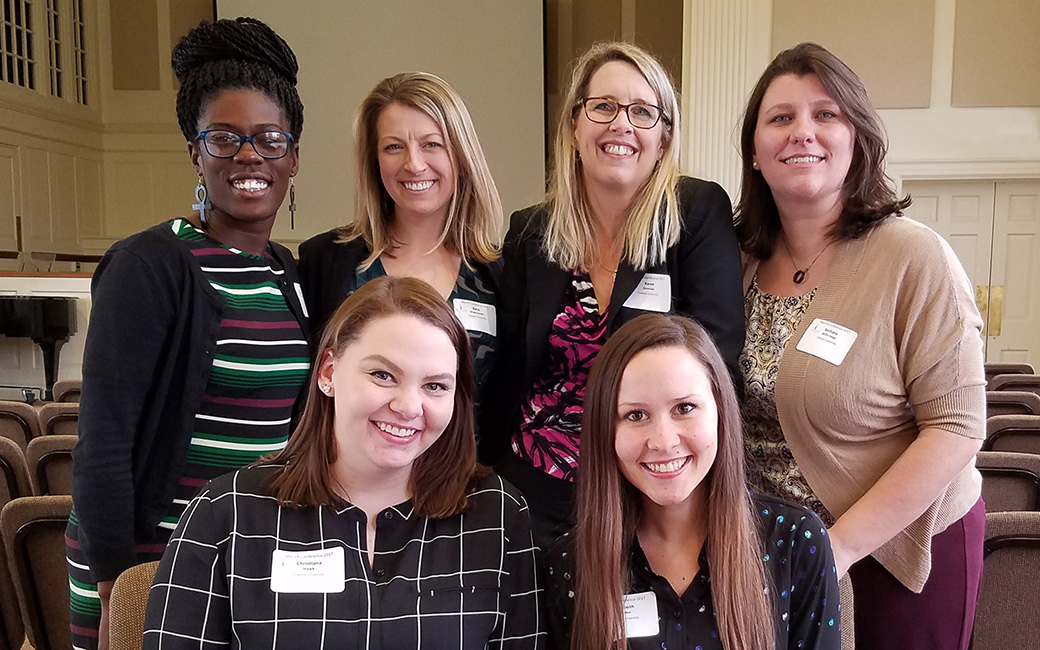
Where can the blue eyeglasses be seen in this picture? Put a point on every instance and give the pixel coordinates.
(221, 143)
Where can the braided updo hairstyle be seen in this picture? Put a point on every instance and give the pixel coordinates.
(239, 53)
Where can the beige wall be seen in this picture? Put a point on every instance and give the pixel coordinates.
(490, 52)
(997, 53)
(888, 42)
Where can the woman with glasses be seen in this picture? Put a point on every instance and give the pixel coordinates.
(620, 234)
(197, 345)
(426, 207)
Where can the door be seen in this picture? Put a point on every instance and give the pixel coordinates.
(994, 228)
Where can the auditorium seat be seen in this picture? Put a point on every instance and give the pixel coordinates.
(1010, 481)
(1006, 617)
(1019, 433)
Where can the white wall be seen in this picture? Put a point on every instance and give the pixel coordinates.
(729, 44)
(491, 52)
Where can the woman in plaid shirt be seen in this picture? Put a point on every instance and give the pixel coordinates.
(375, 527)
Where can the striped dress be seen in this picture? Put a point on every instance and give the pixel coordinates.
(260, 365)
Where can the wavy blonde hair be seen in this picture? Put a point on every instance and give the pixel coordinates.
(474, 223)
(653, 223)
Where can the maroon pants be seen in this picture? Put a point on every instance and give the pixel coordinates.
(888, 615)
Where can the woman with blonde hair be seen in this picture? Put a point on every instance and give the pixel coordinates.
(621, 233)
(375, 527)
(426, 207)
(670, 550)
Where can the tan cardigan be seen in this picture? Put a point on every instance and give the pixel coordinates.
(916, 363)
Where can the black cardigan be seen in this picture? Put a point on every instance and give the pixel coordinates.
(153, 329)
(704, 266)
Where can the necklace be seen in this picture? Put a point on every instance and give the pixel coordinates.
(606, 268)
(799, 274)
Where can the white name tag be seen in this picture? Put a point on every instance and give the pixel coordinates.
(476, 316)
(641, 615)
(308, 572)
(828, 341)
(303, 303)
(654, 293)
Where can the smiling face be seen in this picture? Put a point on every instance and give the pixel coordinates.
(413, 163)
(803, 144)
(246, 188)
(618, 156)
(667, 426)
(393, 389)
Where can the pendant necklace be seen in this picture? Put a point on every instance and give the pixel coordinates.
(606, 268)
(799, 274)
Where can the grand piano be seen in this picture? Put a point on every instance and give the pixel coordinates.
(42, 307)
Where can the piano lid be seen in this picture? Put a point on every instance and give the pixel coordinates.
(45, 285)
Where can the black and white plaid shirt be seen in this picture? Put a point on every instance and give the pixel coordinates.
(469, 581)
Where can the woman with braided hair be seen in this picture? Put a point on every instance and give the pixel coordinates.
(197, 345)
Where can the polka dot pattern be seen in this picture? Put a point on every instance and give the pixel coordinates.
(798, 561)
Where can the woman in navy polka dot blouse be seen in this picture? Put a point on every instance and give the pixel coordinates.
(670, 550)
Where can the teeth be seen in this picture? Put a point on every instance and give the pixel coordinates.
(250, 184)
(802, 159)
(670, 466)
(397, 432)
(618, 149)
(419, 186)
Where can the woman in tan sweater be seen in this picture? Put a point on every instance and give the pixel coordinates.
(863, 360)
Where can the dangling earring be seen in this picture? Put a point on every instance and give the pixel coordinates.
(292, 204)
(201, 204)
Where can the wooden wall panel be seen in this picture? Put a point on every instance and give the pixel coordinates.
(88, 197)
(9, 192)
(64, 228)
(36, 205)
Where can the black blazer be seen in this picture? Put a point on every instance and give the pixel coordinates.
(704, 267)
(327, 268)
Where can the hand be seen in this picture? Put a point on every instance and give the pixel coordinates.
(104, 593)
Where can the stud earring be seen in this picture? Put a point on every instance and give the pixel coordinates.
(201, 204)
(325, 388)
(292, 204)
(754, 165)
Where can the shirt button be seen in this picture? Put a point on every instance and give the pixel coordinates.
(388, 515)
(380, 573)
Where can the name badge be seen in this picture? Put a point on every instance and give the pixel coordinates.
(476, 316)
(654, 293)
(641, 615)
(303, 303)
(308, 572)
(826, 340)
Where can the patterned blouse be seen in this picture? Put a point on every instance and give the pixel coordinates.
(243, 572)
(771, 320)
(799, 565)
(551, 414)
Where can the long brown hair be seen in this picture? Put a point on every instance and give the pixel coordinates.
(868, 197)
(609, 506)
(473, 226)
(442, 475)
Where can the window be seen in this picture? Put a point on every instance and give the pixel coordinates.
(79, 50)
(54, 47)
(17, 52)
